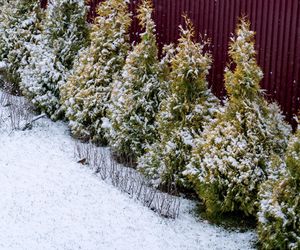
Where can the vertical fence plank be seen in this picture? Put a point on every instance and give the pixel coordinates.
(291, 74)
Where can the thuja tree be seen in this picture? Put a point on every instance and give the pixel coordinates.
(51, 60)
(19, 25)
(189, 106)
(279, 213)
(66, 29)
(86, 95)
(231, 160)
(15, 18)
(5, 23)
(132, 117)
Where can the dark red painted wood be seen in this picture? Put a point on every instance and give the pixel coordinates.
(43, 3)
(277, 27)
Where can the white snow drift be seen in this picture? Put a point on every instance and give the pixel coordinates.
(50, 202)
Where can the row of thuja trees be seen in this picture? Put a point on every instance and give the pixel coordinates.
(160, 113)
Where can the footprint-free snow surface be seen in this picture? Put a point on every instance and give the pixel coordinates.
(48, 201)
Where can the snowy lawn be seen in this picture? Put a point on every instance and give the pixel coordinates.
(50, 202)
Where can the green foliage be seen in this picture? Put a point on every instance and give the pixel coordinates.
(19, 25)
(230, 162)
(66, 29)
(279, 213)
(160, 113)
(188, 107)
(293, 158)
(132, 116)
(51, 60)
(86, 95)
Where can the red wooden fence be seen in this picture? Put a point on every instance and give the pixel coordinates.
(277, 26)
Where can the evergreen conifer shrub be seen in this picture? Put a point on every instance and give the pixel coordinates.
(187, 109)
(86, 95)
(279, 211)
(20, 24)
(231, 160)
(137, 93)
(64, 33)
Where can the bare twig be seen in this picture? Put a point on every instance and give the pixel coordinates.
(128, 180)
(34, 119)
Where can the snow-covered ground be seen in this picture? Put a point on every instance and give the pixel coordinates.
(48, 201)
